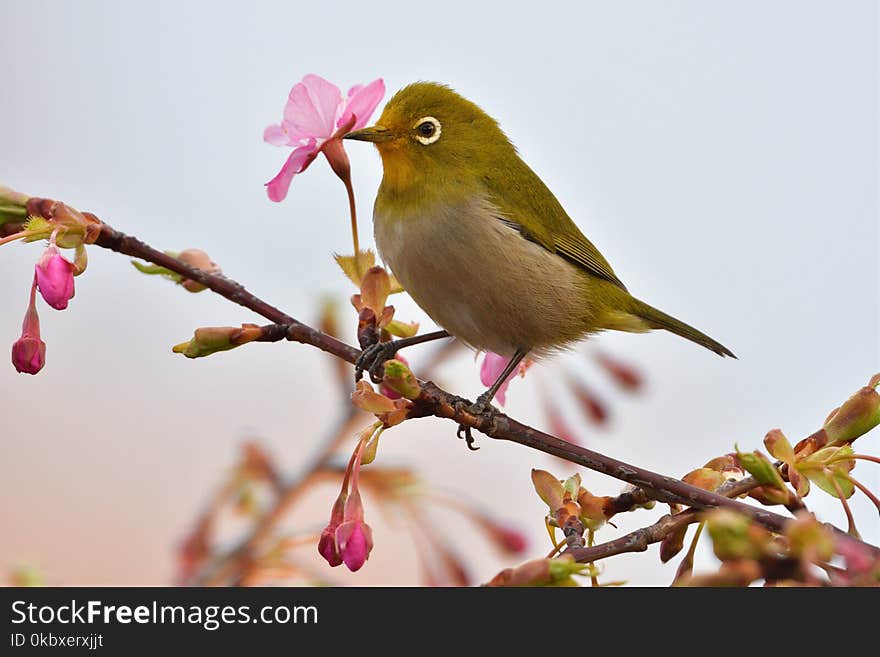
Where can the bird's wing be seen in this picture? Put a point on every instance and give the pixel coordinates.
(524, 202)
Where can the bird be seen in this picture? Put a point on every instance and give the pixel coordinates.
(483, 246)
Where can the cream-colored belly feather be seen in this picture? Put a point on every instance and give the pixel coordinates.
(479, 279)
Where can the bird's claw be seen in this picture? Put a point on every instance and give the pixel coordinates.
(464, 433)
(478, 408)
(372, 360)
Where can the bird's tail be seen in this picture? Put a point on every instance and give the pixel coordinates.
(657, 319)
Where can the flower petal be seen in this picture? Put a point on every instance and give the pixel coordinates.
(299, 159)
(362, 102)
(55, 278)
(276, 135)
(492, 367)
(312, 107)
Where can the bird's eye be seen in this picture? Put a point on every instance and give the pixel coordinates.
(427, 130)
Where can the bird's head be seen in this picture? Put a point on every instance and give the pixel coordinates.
(428, 135)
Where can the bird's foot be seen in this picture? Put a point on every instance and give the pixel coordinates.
(480, 407)
(372, 360)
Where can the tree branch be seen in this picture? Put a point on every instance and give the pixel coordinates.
(433, 401)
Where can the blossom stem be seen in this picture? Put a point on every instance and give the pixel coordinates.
(686, 566)
(851, 529)
(594, 579)
(354, 224)
(866, 491)
(16, 236)
(866, 457)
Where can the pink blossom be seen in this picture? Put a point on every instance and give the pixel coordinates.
(355, 542)
(509, 540)
(857, 556)
(347, 538)
(29, 351)
(327, 543)
(315, 118)
(55, 278)
(492, 367)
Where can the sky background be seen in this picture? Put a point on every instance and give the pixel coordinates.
(723, 156)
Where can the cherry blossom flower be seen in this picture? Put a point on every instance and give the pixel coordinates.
(315, 118)
(55, 278)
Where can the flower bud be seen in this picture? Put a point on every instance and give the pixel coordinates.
(625, 375)
(200, 260)
(705, 478)
(858, 415)
(734, 536)
(327, 547)
(509, 540)
(28, 355)
(771, 496)
(549, 488)
(354, 537)
(55, 278)
(399, 381)
(672, 543)
(540, 572)
(29, 351)
(211, 339)
(761, 469)
(375, 288)
(593, 407)
(13, 205)
(401, 329)
(808, 538)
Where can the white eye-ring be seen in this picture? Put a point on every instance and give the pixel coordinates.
(427, 130)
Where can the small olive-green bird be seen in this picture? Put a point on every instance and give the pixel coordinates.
(482, 245)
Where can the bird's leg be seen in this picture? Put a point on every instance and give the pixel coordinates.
(484, 401)
(372, 359)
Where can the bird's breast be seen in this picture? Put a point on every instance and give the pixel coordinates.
(480, 279)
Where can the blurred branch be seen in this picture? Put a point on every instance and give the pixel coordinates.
(233, 566)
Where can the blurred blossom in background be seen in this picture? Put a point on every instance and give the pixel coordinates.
(722, 157)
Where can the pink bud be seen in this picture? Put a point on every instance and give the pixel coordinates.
(327, 547)
(29, 351)
(355, 541)
(388, 391)
(354, 538)
(857, 556)
(55, 278)
(28, 355)
(508, 540)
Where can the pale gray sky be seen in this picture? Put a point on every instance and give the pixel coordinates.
(722, 155)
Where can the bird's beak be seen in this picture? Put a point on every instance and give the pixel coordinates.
(374, 134)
